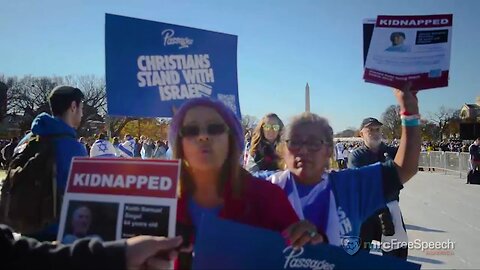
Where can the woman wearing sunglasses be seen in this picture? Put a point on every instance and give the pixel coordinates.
(262, 155)
(208, 138)
(338, 202)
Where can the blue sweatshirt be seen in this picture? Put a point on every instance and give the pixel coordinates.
(66, 147)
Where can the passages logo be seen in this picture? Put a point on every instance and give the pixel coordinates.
(351, 244)
(294, 259)
(170, 39)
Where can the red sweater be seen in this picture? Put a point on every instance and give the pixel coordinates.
(262, 204)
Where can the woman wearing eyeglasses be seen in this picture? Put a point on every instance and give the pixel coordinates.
(262, 155)
(338, 202)
(208, 138)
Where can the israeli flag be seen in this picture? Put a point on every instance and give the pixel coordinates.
(126, 149)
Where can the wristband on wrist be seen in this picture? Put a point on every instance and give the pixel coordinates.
(411, 122)
(406, 113)
(409, 117)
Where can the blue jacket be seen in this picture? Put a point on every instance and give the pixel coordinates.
(66, 147)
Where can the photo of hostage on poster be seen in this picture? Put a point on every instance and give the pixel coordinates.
(397, 39)
(90, 219)
(408, 48)
(111, 199)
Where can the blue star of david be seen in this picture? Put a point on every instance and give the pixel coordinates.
(102, 147)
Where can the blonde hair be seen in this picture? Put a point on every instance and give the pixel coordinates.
(258, 135)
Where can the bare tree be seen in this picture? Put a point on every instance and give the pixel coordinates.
(249, 121)
(429, 131)
(391, 122)
(94, 89)
(443, 117)
(116, 124)
(28, 96)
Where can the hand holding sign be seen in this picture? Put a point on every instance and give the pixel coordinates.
(152, 66)
(223, 244)
(142, 252)
(408, 48)
(407, 99)
(301, 233)
(125, 198)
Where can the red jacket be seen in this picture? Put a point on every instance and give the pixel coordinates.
(262, 204)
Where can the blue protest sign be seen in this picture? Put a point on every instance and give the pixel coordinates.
(223, 244)
(152, 67)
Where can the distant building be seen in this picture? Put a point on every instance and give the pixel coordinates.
(470, 113)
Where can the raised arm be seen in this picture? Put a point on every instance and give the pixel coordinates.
(406, 160)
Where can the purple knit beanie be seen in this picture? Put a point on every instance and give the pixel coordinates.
(227, 114)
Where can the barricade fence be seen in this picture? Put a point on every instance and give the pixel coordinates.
(456, 162)
(453, 162)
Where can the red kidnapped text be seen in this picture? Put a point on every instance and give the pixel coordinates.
(122, 181)
(409, 22)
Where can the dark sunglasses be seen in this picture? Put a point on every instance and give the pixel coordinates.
(211, 130)
(311, 145)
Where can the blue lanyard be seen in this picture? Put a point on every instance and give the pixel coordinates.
(315, 204)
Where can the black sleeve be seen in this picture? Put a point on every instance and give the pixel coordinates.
(28, 253)
(356, 159)
(259, 156)
(391, 181)
(392, 152)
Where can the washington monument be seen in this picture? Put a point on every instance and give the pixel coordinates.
(307, 98)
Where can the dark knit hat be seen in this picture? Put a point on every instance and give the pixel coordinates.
(226, 113)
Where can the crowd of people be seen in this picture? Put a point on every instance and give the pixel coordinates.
(130, 147)
(260, 152)
(278, 179)
(101, 146)
(342, 148)
(206, 136)
(451, 145)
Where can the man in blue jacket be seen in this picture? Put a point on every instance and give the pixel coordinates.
(66, 105)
